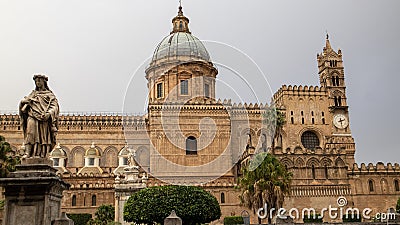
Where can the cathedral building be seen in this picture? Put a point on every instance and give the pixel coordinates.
(190, 137)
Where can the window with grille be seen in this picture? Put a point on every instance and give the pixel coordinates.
(184, 87)
(159, 90)
(309, 140)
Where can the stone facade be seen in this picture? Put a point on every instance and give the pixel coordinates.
(315, 143)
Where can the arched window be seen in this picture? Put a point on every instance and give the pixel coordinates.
(73, 200)
(94, 200)
(180, 25)
(191, 146)
(336, 101)
(309, 140)
(396, 185)
(371, 185)
(333, 81)
(339, 101)
(337, 81)
(222, 197)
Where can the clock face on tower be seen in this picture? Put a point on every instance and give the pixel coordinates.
(340, 121)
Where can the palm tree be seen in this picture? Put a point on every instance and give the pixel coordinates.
(266, 184)
(8, 160)
(273, 121)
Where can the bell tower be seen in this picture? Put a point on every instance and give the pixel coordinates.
(331, 76)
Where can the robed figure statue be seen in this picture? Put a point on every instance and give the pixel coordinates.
(39, 119)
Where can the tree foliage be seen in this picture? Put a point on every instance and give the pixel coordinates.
(152, 205)
(265, 181)
(104, 215)
(80, 219)
(233, 220)
(8, 159)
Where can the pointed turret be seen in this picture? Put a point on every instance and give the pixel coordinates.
(327, 43)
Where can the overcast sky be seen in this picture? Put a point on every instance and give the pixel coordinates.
(90, 49)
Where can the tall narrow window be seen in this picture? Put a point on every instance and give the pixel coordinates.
(180, 25)
(333, 81)
(207, 90)
(302, 120)
(94, 200)
(191, 146)
(339, 101)
(292, 120)
(184, 87)
(326, 172)
(312, 120)
(396, 185)
(73, 200)
(371, 185)
(159, 90)
(337, 81)
(313, 172)
(222, 197)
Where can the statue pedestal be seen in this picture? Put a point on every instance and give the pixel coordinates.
(33, 193)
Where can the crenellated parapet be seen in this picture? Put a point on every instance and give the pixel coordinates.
(378, 168)
(309, 91)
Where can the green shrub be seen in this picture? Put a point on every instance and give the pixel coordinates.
(230, 220)
(80, 219)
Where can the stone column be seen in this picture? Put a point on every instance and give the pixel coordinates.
(124, 188)
(33, 193)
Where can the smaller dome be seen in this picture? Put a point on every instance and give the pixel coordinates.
(92, 151)
(124, 151)
(58, 152)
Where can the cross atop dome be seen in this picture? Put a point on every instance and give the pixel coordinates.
(180, 22)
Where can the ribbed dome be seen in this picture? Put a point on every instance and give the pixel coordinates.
(92, 151)
(58, 152)
(180, 45)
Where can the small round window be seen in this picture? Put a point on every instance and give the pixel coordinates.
(309, 140)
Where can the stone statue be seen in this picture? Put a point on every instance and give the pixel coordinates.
(131, 159)
(39, 119)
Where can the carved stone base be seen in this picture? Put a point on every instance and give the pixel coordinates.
(33, 194)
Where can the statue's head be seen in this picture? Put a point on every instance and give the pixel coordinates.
(41, 81)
